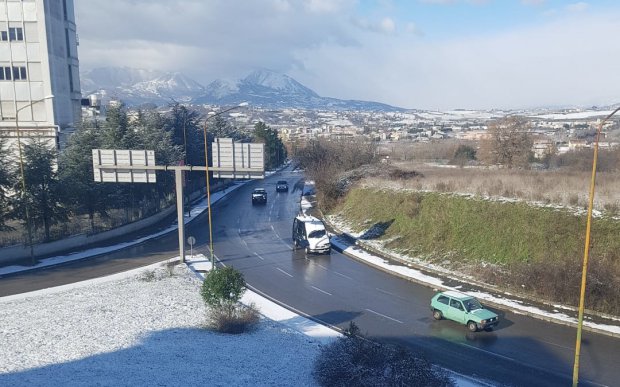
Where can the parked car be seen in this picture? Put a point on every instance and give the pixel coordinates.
(281, 186)
(309, 233)
(259, 196)
(463, 309)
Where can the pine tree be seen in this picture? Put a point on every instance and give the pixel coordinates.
(7, 180)
(81, 192)
(43, 194)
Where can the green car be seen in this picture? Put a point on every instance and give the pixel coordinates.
(463, 309)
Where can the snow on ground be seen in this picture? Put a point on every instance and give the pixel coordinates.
(140, 330)
(574, 115)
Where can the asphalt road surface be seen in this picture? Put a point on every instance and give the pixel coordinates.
(335, 289)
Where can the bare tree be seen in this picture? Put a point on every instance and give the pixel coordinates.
(509, 143)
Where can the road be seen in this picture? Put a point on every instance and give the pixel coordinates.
(335, 289)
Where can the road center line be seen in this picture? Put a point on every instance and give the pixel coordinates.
(391, 294)
(258, 255)
(384, 316)
(321, 290)
(489, 352)
(290, 275)
(335, 272)
(558, 345)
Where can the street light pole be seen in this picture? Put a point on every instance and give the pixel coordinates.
(210, 116)
(21, 170)
(586, 253)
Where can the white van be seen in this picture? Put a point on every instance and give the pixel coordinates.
(309, 233)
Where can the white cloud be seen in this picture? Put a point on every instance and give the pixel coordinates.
(326, 6)
(577, 7)
(338, 54)
(533, 2)
(412, 28)
(387, 25)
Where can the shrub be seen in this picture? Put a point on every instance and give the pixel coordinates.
(355, 361)
(238, 320)
(221, 291)
(463, 154)
(223, 288)
(148, 276)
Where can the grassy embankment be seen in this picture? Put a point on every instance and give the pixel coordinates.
(510, 245)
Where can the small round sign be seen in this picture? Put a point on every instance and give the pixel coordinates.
(191, 240)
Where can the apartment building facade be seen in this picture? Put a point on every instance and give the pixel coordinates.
(39, 71)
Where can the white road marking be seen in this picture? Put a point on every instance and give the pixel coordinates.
(384, 316)
(258, 255)
(342, 275)
(290, 275)
(321, 290)
(558, 345)
(335, 272)
(391, 294)
(489, 352)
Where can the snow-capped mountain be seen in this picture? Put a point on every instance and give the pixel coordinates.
(270, 89)
(262, 88)
(137, 86)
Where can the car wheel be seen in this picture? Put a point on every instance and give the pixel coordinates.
(437, 314)
(472, 326)
(307, 250)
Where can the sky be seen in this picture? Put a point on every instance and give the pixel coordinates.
(417, 54)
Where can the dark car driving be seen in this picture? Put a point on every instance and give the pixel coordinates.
(281, 186)
(259, 196)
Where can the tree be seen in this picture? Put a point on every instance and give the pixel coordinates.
(81, 191)
(275, 151)
(463, 154)
(7, 179)
(509, 143)
(223, 288)
(43, 193)
(150, 129)
(186, 131)
(115, 128)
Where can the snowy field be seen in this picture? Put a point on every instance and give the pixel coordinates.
(137, 331)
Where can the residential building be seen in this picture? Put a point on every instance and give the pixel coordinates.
(39, 71)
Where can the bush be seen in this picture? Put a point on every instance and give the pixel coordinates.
(221, 291)
(355, 361)
(223, 288)
(238, 320)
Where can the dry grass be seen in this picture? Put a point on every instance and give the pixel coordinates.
(565, 188)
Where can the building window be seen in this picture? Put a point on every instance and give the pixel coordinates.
(67, 41)
(4, 36)
(71, 87)
(17, 73)
(16, 33)
(64, 9)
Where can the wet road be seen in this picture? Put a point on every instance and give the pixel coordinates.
(335, 289)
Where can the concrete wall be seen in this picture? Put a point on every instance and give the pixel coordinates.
(19, 252)
(14, 253)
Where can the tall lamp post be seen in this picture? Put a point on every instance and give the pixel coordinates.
(21, 169)
(586, 253)
(210, 116)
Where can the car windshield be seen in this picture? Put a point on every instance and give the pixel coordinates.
(282, 182)
(259, 191)
(316, 234)
(472, 304)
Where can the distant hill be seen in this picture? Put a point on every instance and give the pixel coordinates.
(262, 88)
